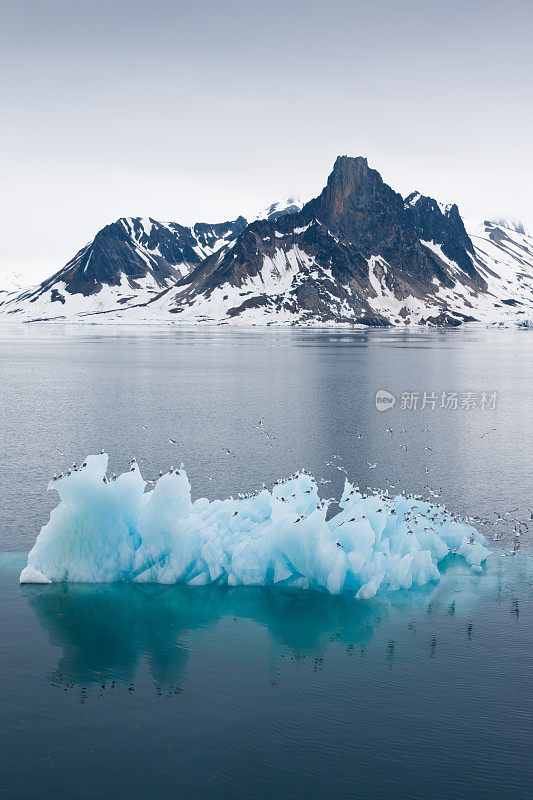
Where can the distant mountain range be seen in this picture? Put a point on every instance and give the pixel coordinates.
(358, 254)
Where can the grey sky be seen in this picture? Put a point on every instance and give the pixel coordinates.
(203, 110)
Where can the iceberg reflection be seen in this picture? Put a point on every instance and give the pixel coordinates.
(106, 631)
(109, 632)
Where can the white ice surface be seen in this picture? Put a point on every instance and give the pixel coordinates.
(31, 575)
(104, 531)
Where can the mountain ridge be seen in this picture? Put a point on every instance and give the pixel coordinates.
(358, 254)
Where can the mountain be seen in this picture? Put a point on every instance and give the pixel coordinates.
(130, 261)
(359, 253)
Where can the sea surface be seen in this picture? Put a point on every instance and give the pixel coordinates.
(133, 691)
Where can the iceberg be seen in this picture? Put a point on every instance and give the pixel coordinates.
(113, 530)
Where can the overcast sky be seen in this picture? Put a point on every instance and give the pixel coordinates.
(202, 110)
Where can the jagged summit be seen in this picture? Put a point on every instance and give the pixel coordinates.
(351, 187)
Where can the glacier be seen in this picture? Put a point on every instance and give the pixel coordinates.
(113, 530)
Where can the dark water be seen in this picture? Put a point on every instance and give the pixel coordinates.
(136, 691)
(131, 691)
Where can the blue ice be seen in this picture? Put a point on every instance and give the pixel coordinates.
(104, 531)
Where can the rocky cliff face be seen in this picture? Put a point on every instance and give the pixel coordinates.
(435, 223)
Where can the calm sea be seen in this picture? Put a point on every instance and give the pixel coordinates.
(132, 691)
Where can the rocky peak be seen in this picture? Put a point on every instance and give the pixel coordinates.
(351, 188)
(355, 200)
(441, 225)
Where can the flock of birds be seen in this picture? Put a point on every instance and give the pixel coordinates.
(132, 466)
(517, 527)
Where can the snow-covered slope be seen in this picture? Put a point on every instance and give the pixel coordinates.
(512, 225)
(10, 282)
(290, 205)
(504, 257)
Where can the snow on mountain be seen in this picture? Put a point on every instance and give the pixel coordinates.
(127, 263)
(358, 254)
(290, 205)
(512, 225)
(10, 282)
(504, 258)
